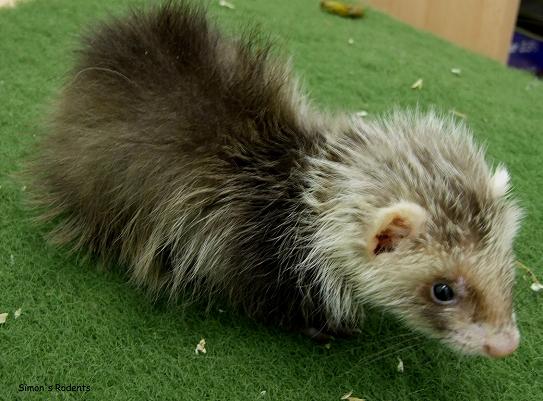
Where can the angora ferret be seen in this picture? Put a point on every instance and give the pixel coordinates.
(195, 160)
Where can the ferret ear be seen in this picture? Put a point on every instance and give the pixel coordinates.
(499, 183)
(393, 224)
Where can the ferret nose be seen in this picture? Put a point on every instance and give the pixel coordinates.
(502, 344)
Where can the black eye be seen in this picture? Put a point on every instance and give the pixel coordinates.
(442, 293)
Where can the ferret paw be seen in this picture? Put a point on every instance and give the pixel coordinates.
(317, 335)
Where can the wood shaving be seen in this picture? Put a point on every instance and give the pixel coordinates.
(533, 84)
(201, 347)
(226, 4)
(399, 368)
(458, 114)
(8, 3)
(536, 285)
(456, 71)
(3, 318)
(418, 84)
(342, 9)
(17, 313)
(263, 393)
(349, 397)
(361, 113)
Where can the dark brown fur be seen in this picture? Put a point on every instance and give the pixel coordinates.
(153, 105)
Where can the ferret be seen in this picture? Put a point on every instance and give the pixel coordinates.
(195, 159)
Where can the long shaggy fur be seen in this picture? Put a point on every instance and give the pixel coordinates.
(194, 160)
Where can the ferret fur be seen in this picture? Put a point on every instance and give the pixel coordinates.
(195, 160)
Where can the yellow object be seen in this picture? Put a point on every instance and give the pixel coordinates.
(342, 9)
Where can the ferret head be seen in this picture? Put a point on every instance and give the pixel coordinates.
(451, 281)
(418, 224)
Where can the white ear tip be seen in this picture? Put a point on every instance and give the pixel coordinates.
(499, 183)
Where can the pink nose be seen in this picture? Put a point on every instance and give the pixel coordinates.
(502, 344)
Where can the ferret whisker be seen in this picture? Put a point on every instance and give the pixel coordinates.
(411, 334)
(392, 347)
(104, 70)
(387, 353)
(392, 352)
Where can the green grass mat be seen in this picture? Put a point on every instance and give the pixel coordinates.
(83, 326)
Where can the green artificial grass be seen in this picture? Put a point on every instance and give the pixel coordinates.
(84, 326)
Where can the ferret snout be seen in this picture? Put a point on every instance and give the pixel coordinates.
(502, 343)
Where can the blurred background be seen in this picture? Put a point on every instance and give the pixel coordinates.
(510, 31)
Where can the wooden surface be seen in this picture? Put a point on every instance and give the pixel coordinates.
(485, 26)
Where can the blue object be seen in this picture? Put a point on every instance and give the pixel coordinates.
(526, 52)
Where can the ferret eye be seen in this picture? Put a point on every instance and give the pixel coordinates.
(442, 293)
